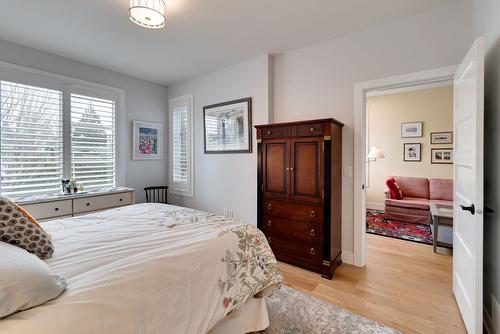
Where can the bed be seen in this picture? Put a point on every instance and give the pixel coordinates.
(154, 268)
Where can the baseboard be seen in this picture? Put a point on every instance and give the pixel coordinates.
(347, 257)
(375, 205)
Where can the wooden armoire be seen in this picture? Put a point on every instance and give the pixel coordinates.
(299, 192)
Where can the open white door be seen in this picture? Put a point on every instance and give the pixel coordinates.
(468, 119)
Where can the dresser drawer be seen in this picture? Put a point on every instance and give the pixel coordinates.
(308, 130)
(49, 209)
(295, 211)
(303, 231)
(101, 202)
(292, 248)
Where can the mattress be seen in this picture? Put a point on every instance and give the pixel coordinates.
(150, 268)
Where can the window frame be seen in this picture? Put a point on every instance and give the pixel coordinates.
(69, 85)
(185, 189)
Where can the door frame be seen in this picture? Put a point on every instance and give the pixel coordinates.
(361, 89)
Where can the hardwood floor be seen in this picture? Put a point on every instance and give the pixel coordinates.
(404, 285)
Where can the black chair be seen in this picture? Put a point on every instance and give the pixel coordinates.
(156, 194)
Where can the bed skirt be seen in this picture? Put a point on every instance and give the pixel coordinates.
(251, 317)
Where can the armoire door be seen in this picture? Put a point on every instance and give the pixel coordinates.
(275, 168)
(307, 170)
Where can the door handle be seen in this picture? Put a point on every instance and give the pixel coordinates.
(488, 210)
(471, 208)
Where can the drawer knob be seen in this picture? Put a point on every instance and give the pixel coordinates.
(312, 232)
(88, 204)
(269, 240)
(312, 251)
(269, 206)
(269, 223)
(312, 129)
(56, 209)
(121, 199)
(269, 132)
(312, 213)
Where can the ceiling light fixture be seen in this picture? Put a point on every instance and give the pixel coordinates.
(148, 13)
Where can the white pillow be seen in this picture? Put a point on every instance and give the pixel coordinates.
(25, 280)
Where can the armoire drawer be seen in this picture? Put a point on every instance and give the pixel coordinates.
(304, 231)
(308, 130)
(49, 209)
(275, 132)
(102, 202)
(295, 211)
(291, 247)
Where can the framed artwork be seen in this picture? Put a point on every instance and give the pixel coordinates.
(411, 129)
(442, 137)
(442, 155)
(148, 138)
(228, 127)
(412, 152)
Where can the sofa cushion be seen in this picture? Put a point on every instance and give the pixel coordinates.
(441, 189)
(394, 190)
(413, 186)
(409, 202)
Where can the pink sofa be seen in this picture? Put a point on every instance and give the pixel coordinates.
(417, 194)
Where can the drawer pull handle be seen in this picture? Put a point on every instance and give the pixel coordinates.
(269, 240)
(269, 223)
(312, 251)
(269, 206)
(269, 132)
(312, 214)
(312, 129)
(56, 209)
(88, 204)
(312, 233)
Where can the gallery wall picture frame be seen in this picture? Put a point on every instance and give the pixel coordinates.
(442, 155)
(228, 127)
(445, 137)
(412, 152)
(412, 129)
(147, 140)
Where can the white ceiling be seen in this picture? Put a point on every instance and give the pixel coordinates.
(200, 35)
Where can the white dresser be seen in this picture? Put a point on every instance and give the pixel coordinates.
(49, 206)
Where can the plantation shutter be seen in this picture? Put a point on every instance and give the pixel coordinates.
(31, 139)
(93, 141)
(181, 177)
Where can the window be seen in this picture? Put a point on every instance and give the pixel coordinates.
(31, 139)
(92, 141)
(53, 127)
(181, 150)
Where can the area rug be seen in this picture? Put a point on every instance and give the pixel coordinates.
(293, 312)
(376, 224)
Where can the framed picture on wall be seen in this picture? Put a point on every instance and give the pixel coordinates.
(148, 138)
(411, 129)
(442, 155)
(442, 137)
(412, 152)
(228, 127)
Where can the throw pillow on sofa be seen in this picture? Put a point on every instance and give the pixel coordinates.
(394, 190)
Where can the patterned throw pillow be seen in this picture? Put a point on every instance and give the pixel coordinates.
(18, 228)
(394, 190)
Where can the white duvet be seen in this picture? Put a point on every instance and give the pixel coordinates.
(149, 268)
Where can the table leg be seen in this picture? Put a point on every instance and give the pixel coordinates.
(435, 236)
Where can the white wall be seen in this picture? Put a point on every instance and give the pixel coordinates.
(226, 180)
(143, 101)
(317, 81)
(487, 24)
